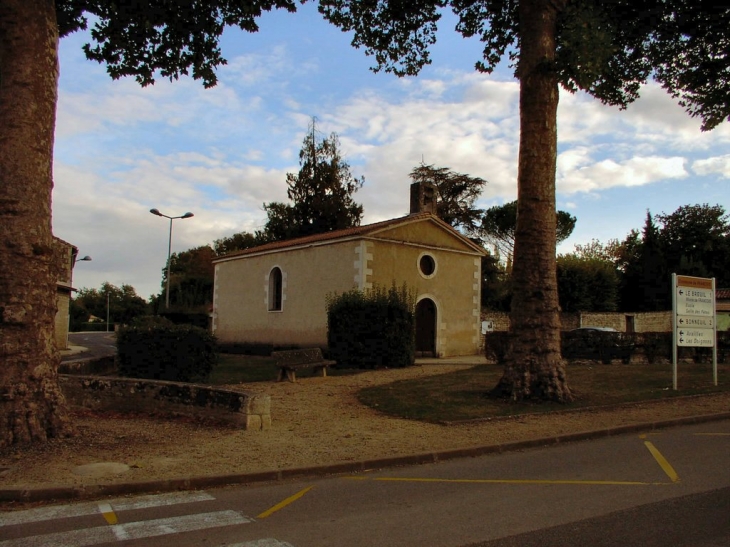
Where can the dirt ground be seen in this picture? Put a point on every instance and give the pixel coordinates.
(315, 421)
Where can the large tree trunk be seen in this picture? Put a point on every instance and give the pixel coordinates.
(31, 405)
(534, 367)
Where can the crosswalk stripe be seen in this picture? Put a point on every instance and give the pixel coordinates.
(131, 530)
(84, 509)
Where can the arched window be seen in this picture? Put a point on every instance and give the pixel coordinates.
(276, 288)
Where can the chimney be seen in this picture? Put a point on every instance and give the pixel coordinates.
(423, 198)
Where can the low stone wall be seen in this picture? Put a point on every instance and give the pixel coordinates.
(249, 411)
(99, 365)
(660, 321)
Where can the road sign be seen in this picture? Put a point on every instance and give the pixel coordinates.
(701, 338)
(695, 321)
(695, 301)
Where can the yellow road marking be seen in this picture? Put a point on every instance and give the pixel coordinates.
(516, 481)
(108, 513)
(663, 463)
(281, 505)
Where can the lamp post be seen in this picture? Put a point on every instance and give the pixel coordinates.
(86, 258)
(169, 248)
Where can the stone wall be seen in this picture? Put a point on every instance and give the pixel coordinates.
(247, 410)
(622, 322)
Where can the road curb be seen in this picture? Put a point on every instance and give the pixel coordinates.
(59, 493)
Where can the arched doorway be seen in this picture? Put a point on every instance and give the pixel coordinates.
(426, 328)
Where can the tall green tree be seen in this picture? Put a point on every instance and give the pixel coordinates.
(606, 48)
(137, 39)
(456, 196)
(693, 240)
(499, 225)
(238, 242)
(587, 284)
(122, 303)
(191, 280)
(321, 193)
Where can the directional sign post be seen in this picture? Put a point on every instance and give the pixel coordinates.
(693, 317)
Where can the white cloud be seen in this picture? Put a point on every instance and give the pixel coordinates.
(718, 165)
(576, 174)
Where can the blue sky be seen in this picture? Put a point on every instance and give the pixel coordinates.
(221, 153)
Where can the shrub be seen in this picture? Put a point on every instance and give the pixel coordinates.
(603, 345)
(178, 353)
(657, 345)
(372, 328)
(496, 346)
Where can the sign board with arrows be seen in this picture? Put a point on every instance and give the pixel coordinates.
(693, 315)
(694, 311)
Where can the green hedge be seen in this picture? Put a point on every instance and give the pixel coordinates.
(496, 346)
(178, 353)
(374, 328)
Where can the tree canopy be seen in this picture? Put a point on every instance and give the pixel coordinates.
(142, 39)
(124, 303)
(693, 240)
(500, 222)
(456, 195)
(587, 284)
(191, 280)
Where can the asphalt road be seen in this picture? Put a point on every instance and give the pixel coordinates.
(671, 487)
(97, 344)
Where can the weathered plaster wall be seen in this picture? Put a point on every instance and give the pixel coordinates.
(241, 300)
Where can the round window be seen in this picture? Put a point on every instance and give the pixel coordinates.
(427, 265)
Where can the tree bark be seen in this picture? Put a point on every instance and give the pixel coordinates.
(534, 367)
(32, 408)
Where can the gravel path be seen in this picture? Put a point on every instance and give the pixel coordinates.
(314, 422)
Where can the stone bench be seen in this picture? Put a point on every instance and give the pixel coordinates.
(292, 360)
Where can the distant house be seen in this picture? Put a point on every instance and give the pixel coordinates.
(65, 259)
(275, 294)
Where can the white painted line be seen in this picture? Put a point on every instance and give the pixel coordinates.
(84, 509)
(159, 500)
(132, 530)
(76, 538)
(177, 525)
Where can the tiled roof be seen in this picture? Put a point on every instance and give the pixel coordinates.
(722, 294)
(355, 231)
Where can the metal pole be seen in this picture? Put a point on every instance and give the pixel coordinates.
(107, 310)
(714, 334)
(674, 331)
(167, 290)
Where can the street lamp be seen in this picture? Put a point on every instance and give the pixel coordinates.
(169, 248)
(87, 258)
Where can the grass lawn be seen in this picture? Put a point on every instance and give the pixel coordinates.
(461, 395)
